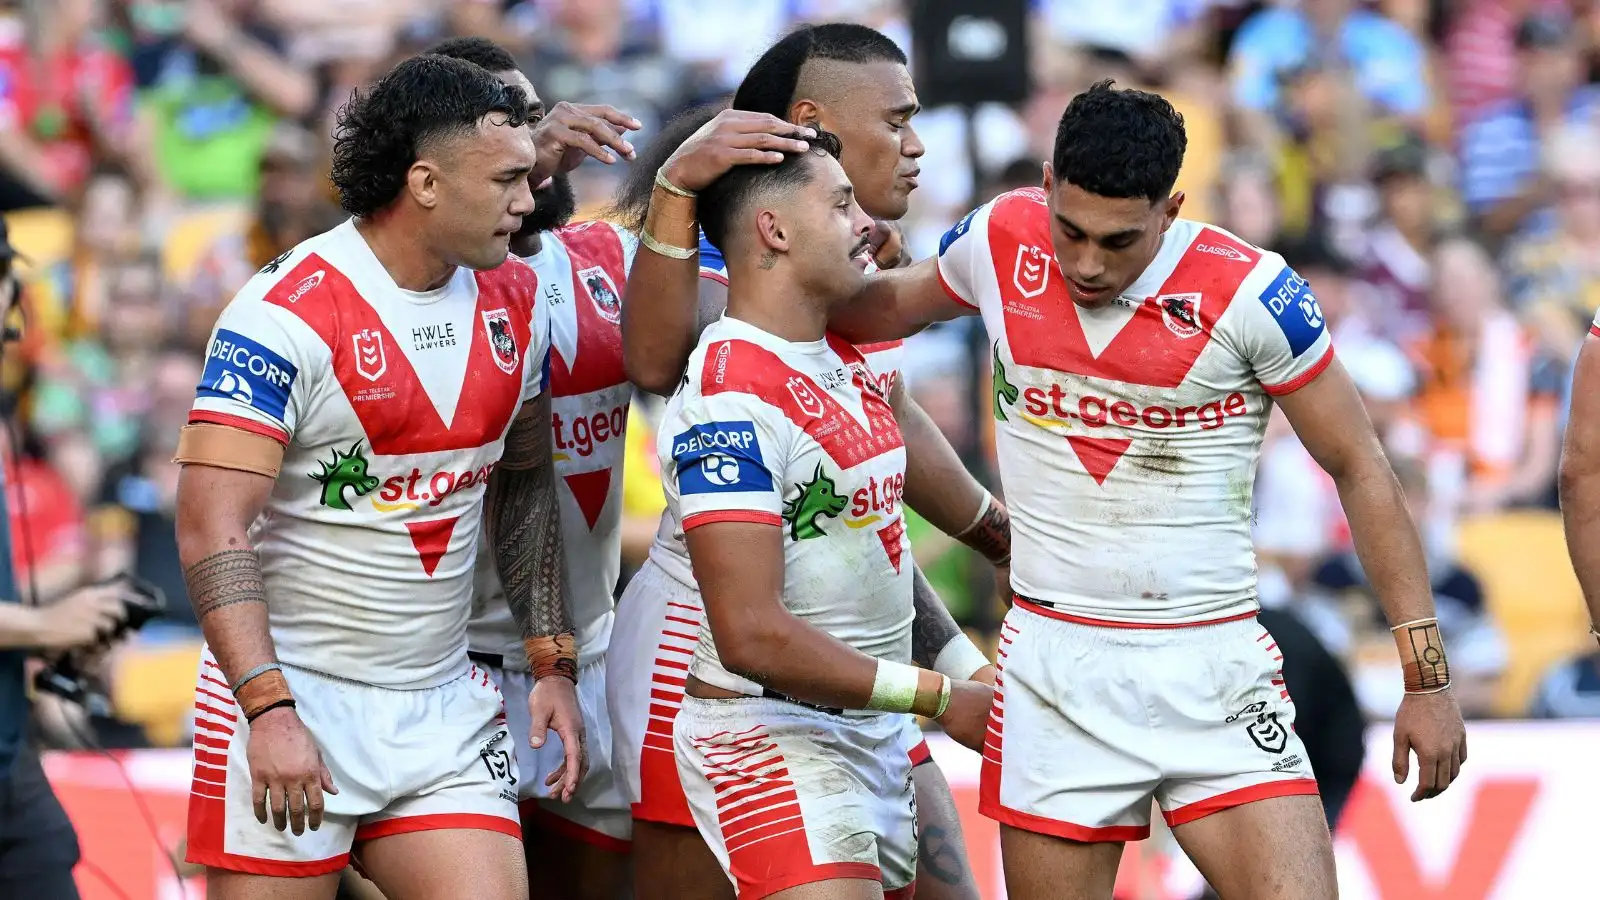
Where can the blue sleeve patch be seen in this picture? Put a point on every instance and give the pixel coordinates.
(720, 458)
(711, 258)
(953, 234)
(1294, 306)
(241, 370)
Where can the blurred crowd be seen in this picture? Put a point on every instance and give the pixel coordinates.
(1431, 166)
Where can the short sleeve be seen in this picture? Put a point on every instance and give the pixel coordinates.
(256, 373)
(964, 254)
(1281, 329)
(630, 246)
(537, 372)
(726, 459)
(712, 265)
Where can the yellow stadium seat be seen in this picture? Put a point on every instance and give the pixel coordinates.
(153, 687)
(44, 236)
(193, 234)
(1530, 589)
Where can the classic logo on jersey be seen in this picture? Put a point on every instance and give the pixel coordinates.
(371, 362)
(239, 369)
(1265, 731)
(816, 499)
(1223, 251)
(1181, 313)
(497, 328)
(417, 488)
(805, 396)
(347, 471)
(1003, 388)
(954, 234)
(1294, 306)
(720, 458)
(1032, 273)
(306, 286)
(603, 291)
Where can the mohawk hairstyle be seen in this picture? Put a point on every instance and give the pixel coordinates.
(721, 204)
(770, 85)
(1120, 143)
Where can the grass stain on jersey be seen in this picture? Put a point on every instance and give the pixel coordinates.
(817, 499)
(347, 470)
(1003, 389)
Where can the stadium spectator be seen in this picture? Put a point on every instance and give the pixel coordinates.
(1569, 690)
(1555, 280)
(1395, 262)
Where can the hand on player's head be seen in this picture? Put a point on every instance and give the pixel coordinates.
(447, 139)
(733, 138)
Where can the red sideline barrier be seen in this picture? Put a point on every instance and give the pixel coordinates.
(1519, 823)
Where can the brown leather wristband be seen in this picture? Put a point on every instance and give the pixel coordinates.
(555, 654)
(1422, 658)
(265, 690)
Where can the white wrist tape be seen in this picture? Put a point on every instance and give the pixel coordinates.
(960, 659)
(894, 688)
(983, 510)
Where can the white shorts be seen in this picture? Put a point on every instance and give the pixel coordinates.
(652, 642)
(787, 795)
(1196, 717)
(597, 814)
(403, 761)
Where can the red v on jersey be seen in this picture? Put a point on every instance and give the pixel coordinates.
(589, 489)
(746, 368)
(382, 386)
(597, 357)
(1099, 455)
(1044, 331)
(432, 540)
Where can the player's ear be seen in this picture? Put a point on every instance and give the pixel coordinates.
(422, 180)
(774, 236)
(806, 112)
(1049, 177)
(1174, 204)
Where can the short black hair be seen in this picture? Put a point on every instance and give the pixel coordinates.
(1120, 143)
(380, 132)
(479, 51)
(722, 201)
(770, 85)
(632, 202)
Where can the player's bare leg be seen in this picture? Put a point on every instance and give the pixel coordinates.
(942, 869)
(837, 889)
(446, 865)
(561, 867)
(1274, 849)
(1042, 867)
(671, 862)
(222, 884)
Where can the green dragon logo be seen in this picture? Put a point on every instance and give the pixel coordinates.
(348, 470)
(1003, 389)
(817, 499)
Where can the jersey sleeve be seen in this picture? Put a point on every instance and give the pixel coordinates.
(712, 265)
(536, 373)
(257, 373)
(630, 247)
(964, 255)
(727, 459)
(1281, 331)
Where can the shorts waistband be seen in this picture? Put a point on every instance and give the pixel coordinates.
(771, 694)
(495, 660)
(1051, 611)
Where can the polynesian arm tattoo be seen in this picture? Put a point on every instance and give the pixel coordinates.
(1422, 656)
(524, 523)
(230, 603)
(932, 626)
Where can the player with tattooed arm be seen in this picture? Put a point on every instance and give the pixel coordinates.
(785, 470)
(1136, 357)
(852, 81)
(369, 399)
(576, 848)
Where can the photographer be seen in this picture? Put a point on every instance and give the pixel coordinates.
(38, 847)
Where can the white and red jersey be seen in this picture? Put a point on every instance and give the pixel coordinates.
(582, 270)
(884, 358)
(393, 407)
(798, 436)
(1128, 435)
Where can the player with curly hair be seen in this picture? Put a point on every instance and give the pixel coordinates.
(370, 400)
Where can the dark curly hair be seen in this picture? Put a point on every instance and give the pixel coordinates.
(479, 51)
(721, 202)
(1120, 143)
(382, 131)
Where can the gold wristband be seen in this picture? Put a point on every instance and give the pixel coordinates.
(667, 250)
(555, 654)
(662, 182)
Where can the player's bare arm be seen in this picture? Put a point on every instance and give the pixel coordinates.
(524, 525)
(937, 642)
(1331, 422)
(661, 314)
(896, 304)
(739, 567)
(1580, 478)
(223, 485)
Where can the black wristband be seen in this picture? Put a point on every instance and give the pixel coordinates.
(287, 701)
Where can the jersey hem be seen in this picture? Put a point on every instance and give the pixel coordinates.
(749, 516)
(1303, 379)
